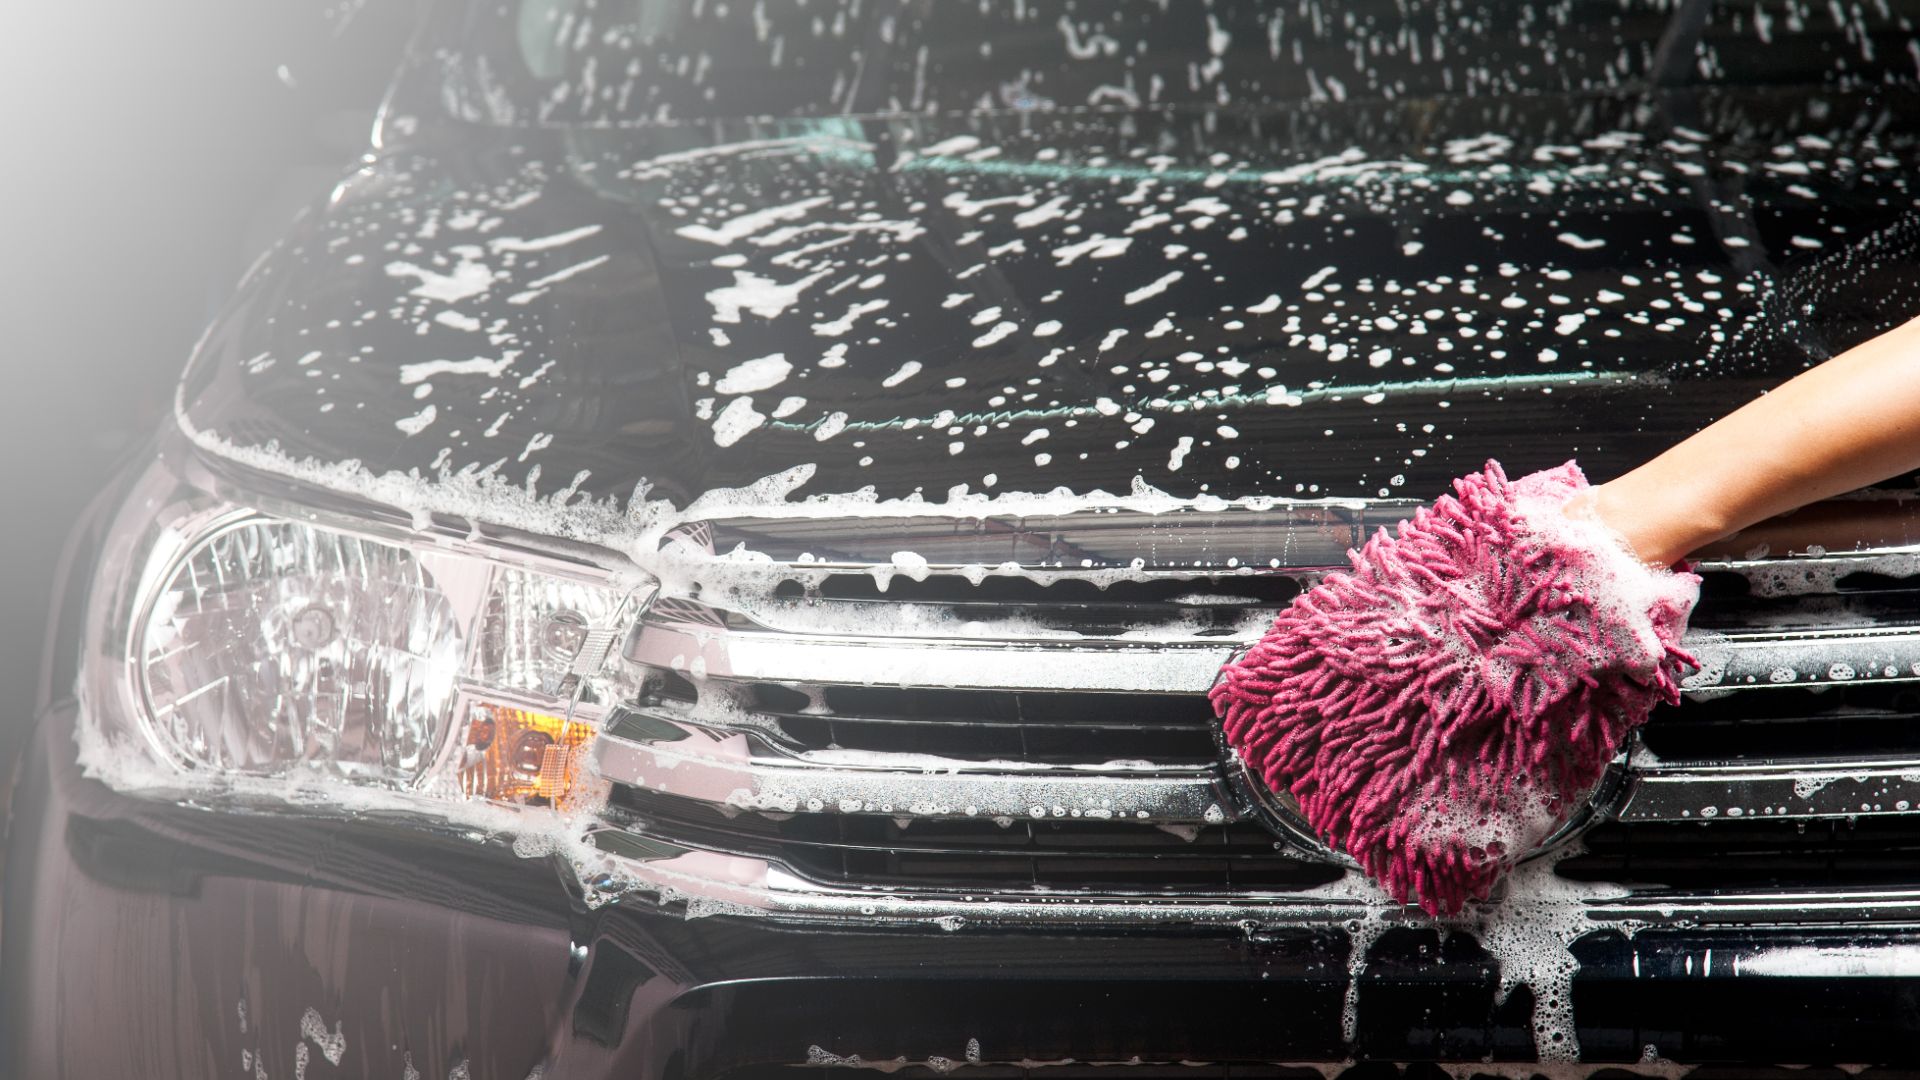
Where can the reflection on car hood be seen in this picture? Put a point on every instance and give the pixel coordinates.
(1355, 300)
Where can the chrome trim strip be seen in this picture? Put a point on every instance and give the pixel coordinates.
(958, 663)
(723, 769)
(1760, 659)
(710, 883)
(1312, 534)
(1807, 789)
(1178, 541)
(1796, 908)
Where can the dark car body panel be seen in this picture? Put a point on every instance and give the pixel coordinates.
(608, 345)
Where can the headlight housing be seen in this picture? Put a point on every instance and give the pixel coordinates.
(271, 647)
(276, 645)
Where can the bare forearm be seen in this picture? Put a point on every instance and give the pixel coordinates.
(1844, 424)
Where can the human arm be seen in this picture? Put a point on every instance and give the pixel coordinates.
(1849, 422)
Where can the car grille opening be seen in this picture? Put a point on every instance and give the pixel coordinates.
(1058, 729)
(1821, 853)
(1864, 719)
(988, 857)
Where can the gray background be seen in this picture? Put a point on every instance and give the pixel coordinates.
(150, 151)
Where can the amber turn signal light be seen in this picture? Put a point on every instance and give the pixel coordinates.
(517, 756)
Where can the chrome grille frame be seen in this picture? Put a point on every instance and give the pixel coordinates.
(722, 626)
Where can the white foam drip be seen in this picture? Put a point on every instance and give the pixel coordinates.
(1531, 932)
(1362, 933)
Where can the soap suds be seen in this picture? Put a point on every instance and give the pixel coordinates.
(751, 376)
(734, 421)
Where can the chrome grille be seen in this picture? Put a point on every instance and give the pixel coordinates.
(1023, 713)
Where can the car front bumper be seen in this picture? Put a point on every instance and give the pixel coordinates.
(176, 941)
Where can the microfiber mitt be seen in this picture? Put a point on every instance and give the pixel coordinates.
(1449, 704)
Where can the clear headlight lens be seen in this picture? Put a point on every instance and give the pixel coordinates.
(535, 625)
(257, 651)
(276, 645)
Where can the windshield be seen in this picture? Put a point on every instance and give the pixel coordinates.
(630, 62)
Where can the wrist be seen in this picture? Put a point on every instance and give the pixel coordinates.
(1659, 530)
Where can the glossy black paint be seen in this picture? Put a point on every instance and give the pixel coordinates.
(612, 370)
(609, 62)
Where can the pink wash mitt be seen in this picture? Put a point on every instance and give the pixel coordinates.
(1450, 703)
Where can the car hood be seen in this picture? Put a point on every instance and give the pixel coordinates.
(1355, 300)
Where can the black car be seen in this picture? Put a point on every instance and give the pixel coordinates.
(702, 557)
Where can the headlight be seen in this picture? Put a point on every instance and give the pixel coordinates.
(263, 648)
(275, 645)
